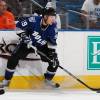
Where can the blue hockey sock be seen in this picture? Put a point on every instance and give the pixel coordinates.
(9, 74)
(49, 75)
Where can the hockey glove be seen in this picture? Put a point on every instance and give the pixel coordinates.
(53, 56)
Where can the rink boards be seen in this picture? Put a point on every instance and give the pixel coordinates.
(78, 52)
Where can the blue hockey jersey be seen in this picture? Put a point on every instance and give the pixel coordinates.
(39, 36)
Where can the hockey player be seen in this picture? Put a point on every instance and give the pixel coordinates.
(40, 32)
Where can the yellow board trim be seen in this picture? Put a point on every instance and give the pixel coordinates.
(36, 82)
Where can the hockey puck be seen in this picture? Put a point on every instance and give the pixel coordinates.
(57, 85)
(2, 91)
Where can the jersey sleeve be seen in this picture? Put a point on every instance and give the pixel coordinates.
(26, 23)
(22, 24)
(53, 33)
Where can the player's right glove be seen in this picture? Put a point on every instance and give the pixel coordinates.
(27, 40)
(23, 36)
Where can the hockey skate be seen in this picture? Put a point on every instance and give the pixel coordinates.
(4, 83)
(2, 91)
(51, 83)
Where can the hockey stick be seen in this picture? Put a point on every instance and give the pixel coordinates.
(65, 70)
(93, 89)
(37, 4)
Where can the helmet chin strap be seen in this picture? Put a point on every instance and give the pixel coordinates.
(45, 20)
(44, 24)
